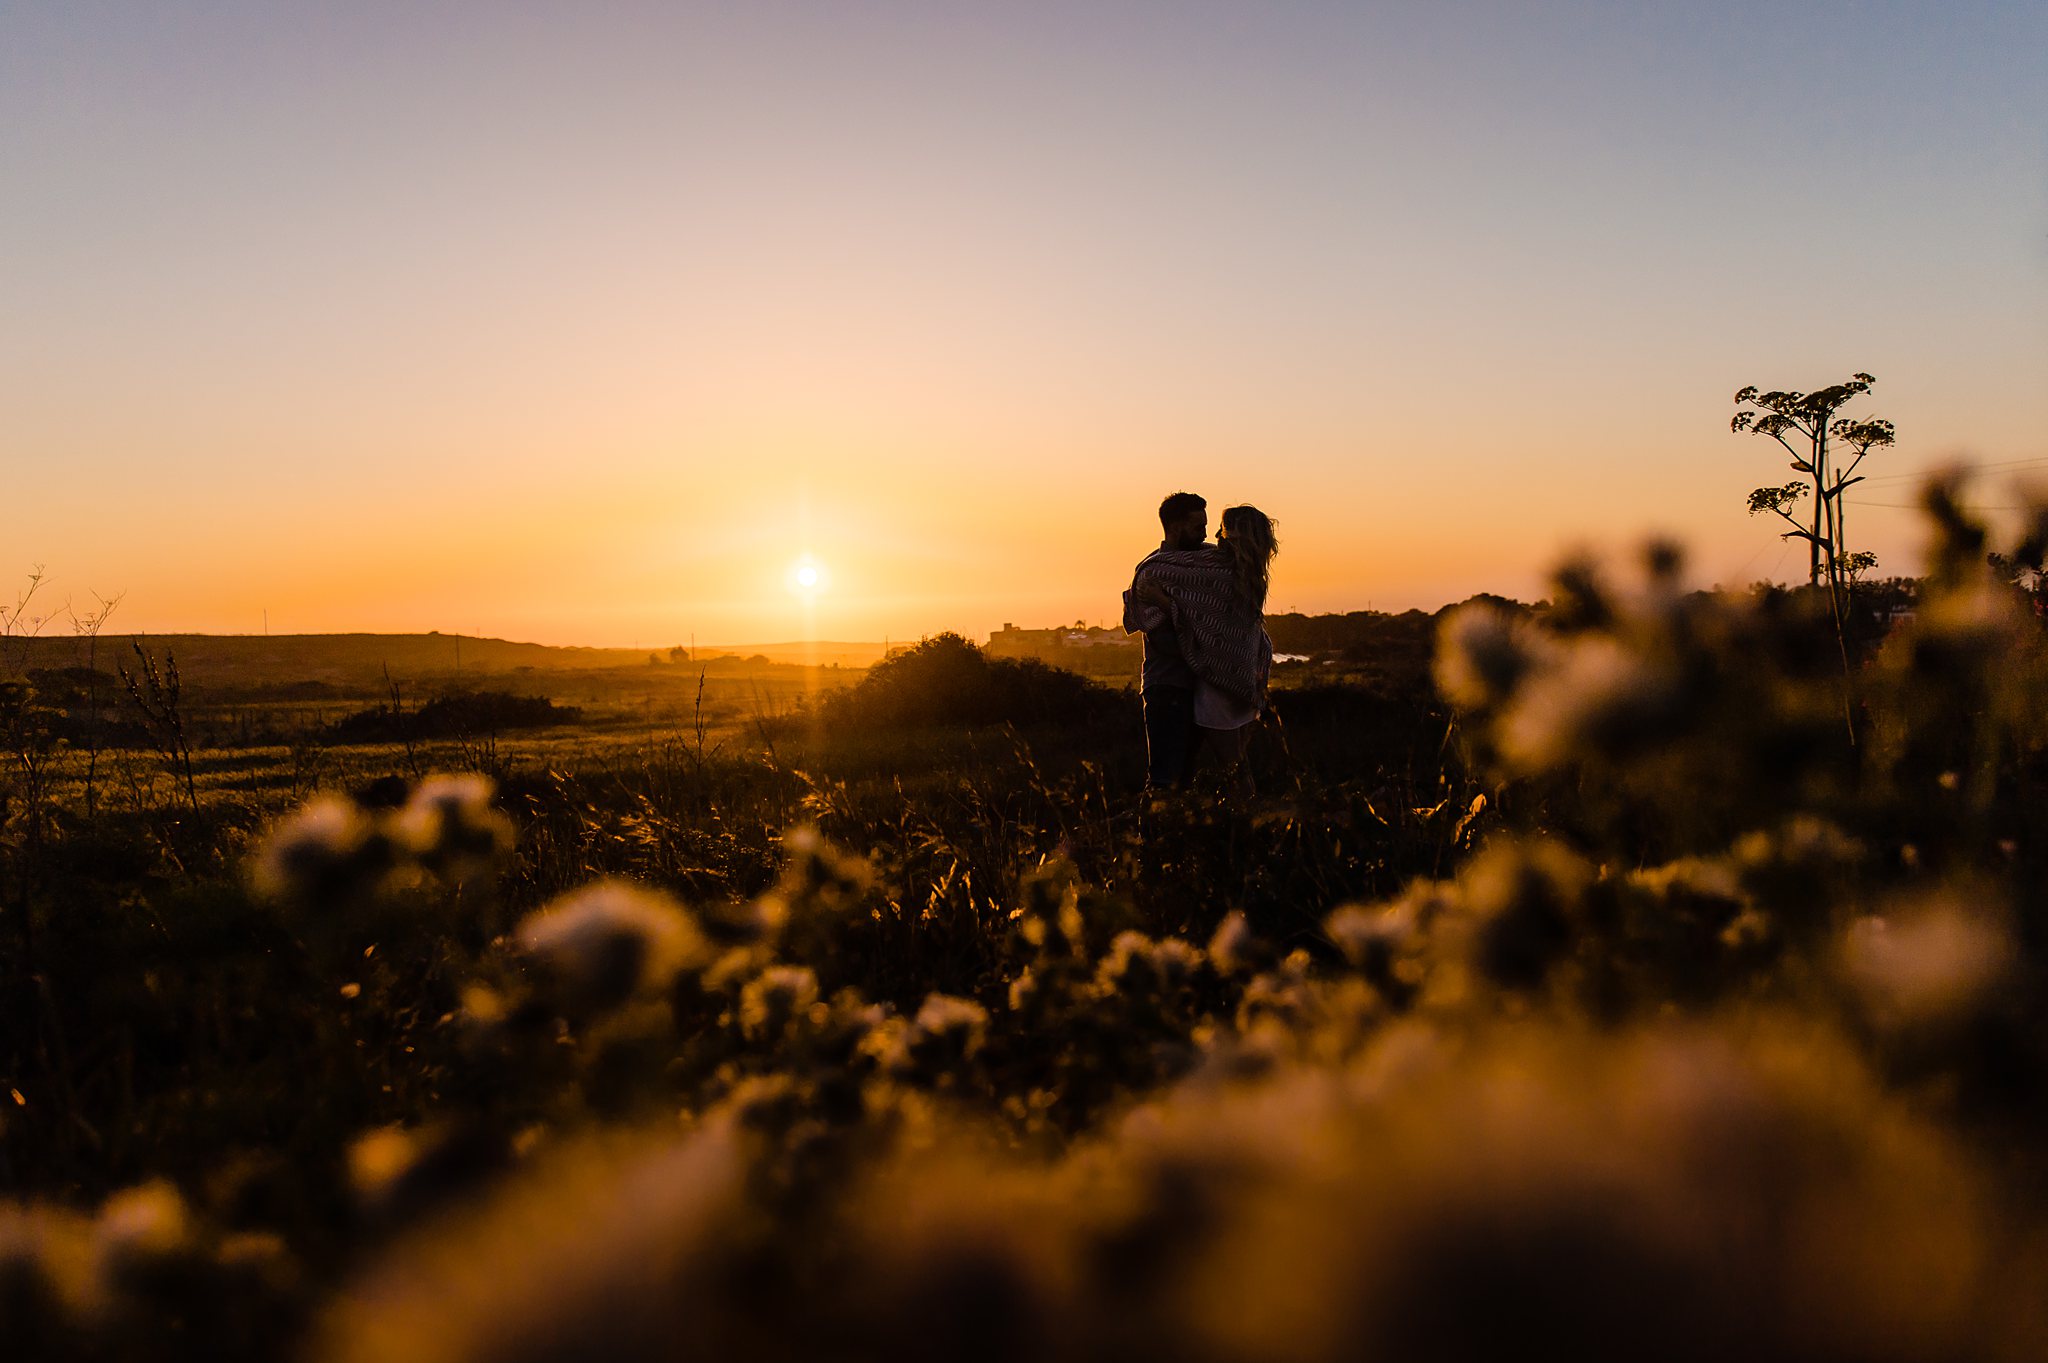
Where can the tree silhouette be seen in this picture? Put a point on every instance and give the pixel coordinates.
(1810, 420)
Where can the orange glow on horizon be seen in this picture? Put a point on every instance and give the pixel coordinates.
(582, 352)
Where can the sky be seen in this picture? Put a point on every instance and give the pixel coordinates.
(584, 323)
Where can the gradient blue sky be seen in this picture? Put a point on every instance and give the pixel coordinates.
(581, 322)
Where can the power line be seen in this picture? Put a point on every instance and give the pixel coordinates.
(1916, 506)
(1965, 468)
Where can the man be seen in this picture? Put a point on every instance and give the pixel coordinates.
(1169, 683)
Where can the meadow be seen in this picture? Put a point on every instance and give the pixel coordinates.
(1650, 973)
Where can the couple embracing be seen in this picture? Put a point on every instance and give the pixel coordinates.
(1201, 608)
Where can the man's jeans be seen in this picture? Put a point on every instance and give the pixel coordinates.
(1169, 735)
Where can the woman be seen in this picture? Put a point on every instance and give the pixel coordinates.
(1217, 598)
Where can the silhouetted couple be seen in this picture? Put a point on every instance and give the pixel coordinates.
(1202, 610)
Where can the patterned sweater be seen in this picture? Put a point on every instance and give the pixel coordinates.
(1222, 637)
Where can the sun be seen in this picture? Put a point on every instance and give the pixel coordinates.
(807, 577)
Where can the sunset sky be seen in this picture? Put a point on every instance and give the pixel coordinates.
(582, 323)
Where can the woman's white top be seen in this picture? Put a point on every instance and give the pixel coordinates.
(1216, 709)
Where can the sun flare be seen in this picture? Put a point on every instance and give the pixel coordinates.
(808, 577)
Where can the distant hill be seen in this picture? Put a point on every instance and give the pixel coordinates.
(216, 659)
(1371, 639)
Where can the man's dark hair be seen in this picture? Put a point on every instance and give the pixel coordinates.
(1179, 505)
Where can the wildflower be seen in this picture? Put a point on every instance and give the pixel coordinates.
(1238, 1055)
(1386, 942)
(144, 1222)
(137, 1234)
(327, 854)
(819, 878)
(887, 1043)
(1049, 918)
(1932, 964)
(451, 827)
(377, 1160)
(944, 1014)
(771, 1103)
(1371, 938)
(1525, 902)
(1598, 698)
(1236, 950)
(604, 1250)
(946, 1032)
(1579, 595)
(1689, 877)
(1750, 932)
(482, 1005)
(771, 999)
(1799, 870)
(1804, 840)
(1175, 961)
(398, 1172)
(842, 1027)
(1138, 965)
(1367, 935)
(611, 940)
(1282, 994)
(1482, 656)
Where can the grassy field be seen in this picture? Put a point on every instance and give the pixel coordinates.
(1631, 979)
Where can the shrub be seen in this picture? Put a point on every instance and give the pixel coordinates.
(459, 714)
(946, 680)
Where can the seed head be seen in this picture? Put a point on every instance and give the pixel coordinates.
(611, 940)
(946, 1032)
(1933, 964)
(820, 876)
(772, 998)
(1138, 965)
(451, 826)
(328, 854)
(1236, 949)
(136, 1234)
(1482, 655)
(1598, 698)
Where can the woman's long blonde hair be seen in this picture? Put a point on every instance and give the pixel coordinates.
(1248, 534)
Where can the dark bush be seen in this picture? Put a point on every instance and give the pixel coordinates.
(947, 680)
(71, 685)
(455, 715)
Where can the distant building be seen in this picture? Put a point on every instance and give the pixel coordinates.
(1050, 644)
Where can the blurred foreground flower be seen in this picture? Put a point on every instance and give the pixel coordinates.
(326, 855)
(1932, 964)
(607, 1250)
(333, 852)
(448, 823)
(609, 941)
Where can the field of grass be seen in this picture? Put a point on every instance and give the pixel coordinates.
(1639, 981)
